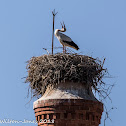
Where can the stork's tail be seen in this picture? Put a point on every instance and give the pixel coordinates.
(75, 46)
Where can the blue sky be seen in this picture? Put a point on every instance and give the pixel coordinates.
(97, 26)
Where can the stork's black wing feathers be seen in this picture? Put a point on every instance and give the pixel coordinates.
(72, 44)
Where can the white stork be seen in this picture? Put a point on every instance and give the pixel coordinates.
(64, 39)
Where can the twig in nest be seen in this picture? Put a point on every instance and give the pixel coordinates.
(46, 50)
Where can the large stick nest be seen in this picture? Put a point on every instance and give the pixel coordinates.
(53, 69)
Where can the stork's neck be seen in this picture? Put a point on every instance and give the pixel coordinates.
(57, 31)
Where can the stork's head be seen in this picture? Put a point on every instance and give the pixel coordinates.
(63, 27)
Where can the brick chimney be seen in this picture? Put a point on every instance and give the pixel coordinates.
(68, 104)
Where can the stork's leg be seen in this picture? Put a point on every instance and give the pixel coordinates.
(65, 49)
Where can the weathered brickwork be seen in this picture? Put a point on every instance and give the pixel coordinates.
(68, 112)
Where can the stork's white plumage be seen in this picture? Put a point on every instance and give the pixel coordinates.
(64, 39)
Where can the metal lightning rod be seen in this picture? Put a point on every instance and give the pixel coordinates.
(54, 14)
